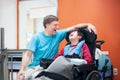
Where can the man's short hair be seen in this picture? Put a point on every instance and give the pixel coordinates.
(48, 19)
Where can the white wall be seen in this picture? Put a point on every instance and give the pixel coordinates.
(8, 21)
(25, 8)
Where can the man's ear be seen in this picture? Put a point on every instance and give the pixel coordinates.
(47, 25)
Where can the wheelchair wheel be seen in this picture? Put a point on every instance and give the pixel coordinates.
(94, 75)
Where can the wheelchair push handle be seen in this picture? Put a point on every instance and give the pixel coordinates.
(100, 42)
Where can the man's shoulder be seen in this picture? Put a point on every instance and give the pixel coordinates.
(38, 34)
(61, 31)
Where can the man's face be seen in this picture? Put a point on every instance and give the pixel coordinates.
(52, 27)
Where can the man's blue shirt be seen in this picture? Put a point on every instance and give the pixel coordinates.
(45, 46)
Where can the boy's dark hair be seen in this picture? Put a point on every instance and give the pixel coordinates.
(48, 19)
(80, 34)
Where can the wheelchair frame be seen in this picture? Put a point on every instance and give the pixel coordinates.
(89, 69)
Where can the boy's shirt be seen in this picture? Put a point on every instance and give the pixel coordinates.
(85, 51)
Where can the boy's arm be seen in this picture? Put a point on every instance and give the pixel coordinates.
(86, 53)
(59, 54)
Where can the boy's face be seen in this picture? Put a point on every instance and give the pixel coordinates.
(52, 27)
(74, 35)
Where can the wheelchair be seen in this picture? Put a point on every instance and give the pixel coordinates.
(84, 71)
(91, 71)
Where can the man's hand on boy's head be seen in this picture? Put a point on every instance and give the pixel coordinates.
(91, 28)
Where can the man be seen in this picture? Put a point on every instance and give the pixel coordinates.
(45, 45)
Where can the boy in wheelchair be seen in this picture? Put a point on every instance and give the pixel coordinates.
(76, 52)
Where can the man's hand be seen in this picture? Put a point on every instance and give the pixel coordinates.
(91, 28)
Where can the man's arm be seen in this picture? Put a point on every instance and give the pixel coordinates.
(25, 60)
(89, 26)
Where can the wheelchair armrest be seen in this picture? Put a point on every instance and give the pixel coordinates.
(85, 67)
